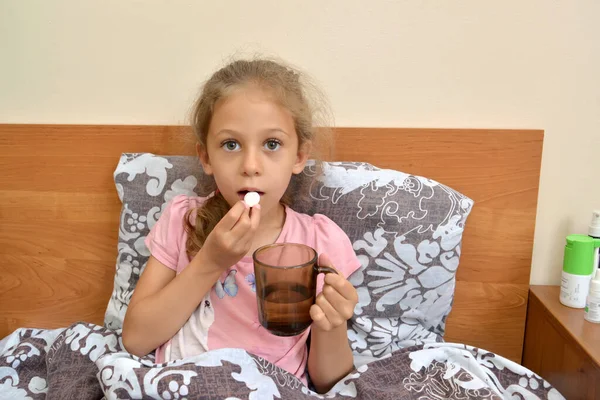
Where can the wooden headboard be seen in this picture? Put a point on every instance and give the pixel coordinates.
(59, 216)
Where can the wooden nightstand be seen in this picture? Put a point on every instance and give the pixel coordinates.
(561, 346)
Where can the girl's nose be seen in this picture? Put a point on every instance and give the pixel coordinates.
(252, 165)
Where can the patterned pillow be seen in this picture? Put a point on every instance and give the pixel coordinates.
(406, 231)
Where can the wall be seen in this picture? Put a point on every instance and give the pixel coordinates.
(414, 63)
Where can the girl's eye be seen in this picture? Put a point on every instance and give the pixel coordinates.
(230, 145)
(272, 145)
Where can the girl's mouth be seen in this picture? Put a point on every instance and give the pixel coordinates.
(242, 193)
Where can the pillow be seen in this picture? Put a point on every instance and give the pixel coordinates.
(406, 231)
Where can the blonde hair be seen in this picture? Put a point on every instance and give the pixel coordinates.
(291, 89)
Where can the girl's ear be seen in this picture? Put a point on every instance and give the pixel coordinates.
(303, 154)
(203, 156)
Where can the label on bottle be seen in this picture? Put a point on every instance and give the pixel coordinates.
(592, 309)
(574, 289)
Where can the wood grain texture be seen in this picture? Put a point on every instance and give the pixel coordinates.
(561, 346)
(489, 316)
(58, 205)
(47, 291)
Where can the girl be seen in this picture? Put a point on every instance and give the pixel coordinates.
(254, 127)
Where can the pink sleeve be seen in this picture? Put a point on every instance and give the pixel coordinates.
(333, 241)
(164, 239)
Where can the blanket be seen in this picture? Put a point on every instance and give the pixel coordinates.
(86, 361)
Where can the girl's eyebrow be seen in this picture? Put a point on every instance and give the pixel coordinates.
(272, 130)
(234, 132)
(227, 132)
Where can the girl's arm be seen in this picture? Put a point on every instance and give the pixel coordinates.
(163, 302)
(330, 357)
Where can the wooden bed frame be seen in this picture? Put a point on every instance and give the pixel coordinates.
(59, 216)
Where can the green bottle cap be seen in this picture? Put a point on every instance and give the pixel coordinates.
(579, 254)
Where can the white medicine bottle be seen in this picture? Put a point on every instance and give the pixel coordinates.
(594, 231)
(592, 304)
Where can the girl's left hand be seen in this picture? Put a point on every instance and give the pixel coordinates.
(335, 304)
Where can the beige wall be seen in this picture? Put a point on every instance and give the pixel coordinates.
(512, 63)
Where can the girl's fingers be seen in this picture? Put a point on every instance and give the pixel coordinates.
(232, 217)
(319, 318)
(342, 306)
(334, 318)
(342, 286)
(242, 225)
(254, 217)
(254, 220)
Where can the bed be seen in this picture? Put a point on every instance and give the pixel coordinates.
(58, 180)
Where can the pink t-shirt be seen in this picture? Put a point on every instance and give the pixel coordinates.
(228, 316)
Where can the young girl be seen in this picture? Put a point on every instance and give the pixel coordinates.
(254, 127)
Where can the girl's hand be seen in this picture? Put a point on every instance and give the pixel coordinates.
(231, 239)
(335, 304)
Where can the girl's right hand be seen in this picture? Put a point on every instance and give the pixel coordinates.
(231, 239)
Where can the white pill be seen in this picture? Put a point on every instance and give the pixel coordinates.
(252, 199)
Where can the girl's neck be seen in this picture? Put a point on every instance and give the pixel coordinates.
(274, 219)
(269, 229)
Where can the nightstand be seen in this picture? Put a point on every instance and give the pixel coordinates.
(561, 346)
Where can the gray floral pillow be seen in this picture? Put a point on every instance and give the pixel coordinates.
(406, 231)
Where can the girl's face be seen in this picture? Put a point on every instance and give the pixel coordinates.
(252, 145)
